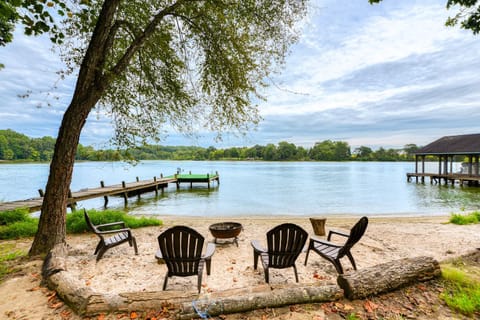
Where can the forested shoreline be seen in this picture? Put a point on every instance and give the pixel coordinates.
(15, 146)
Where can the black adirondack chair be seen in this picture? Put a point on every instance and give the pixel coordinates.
(181, 249)
(119, 236)
(284, 243)
(334, 252)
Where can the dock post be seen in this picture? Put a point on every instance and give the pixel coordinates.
(178, 183)
(105, 198)
(156, 186)
(208, 179)
(125, 194)
(42, 194)
(73, 205)
(138, 191)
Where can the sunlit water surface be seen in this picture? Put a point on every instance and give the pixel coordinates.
(259, 188)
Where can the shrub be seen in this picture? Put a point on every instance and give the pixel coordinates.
(76, 221)
(20, 229)
(11, 216)
(19, 224)
(462, 219)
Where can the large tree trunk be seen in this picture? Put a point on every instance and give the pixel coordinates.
(51, 226)
(90, 86)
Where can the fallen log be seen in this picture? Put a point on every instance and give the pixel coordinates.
(388, 276)
(242, 300)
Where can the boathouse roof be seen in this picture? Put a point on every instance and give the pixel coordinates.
(467, 144)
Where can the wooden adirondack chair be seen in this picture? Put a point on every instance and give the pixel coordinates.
(119, 235)
(284, 244)
(334, 252)
(181, 249)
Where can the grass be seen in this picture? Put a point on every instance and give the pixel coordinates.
(462, 289)
(7, 255)
(468, 218)
(18, 223)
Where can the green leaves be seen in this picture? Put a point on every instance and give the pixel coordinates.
(190, 65)
(36, 16)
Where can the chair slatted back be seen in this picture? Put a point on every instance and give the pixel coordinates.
(91, 225)
(181, 248)
(356, 233)
(285, 242)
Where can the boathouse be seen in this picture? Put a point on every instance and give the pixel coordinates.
(446, 150)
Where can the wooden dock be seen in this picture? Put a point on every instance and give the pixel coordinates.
(197, 178)
(452, 178)
(124, 190)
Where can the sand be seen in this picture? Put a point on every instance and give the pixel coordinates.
(120, 270)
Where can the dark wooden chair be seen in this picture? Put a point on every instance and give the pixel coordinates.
(334, 252)
(120, 236)
(181, 249)
(284, 243)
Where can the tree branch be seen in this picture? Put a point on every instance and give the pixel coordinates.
(141, 39)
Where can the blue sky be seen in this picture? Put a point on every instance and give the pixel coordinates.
(383, 75)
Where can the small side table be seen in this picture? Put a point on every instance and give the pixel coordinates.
(318, 225)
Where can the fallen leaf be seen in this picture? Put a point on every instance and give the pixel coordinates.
(52, 296)
(101, 316)
(56, 305)
(133, 315)
(370, 306)
(348, 307)
(88, 282)
(34, 289)
(65, 314)
(293, 308)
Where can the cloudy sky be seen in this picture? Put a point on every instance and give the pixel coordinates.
(384, 75)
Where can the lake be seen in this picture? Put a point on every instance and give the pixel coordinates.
(259, 188)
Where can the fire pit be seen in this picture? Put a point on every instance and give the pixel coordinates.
(226, 230)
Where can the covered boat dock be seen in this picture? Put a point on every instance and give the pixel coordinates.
(446, 150)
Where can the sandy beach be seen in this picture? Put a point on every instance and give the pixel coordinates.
(121, 270)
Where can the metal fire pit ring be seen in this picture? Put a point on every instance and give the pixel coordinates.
(226, 230)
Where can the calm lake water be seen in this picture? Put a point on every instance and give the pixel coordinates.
(259, 188)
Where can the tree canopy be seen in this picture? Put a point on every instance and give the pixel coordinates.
(192, 64)
(187, 64)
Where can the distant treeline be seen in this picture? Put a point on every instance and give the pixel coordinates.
(17, 146)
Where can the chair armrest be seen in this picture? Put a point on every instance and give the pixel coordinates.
(115, 231)
(257, 247)
(332, 232)
(118, 223)
(327, 243)
(209, 251)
